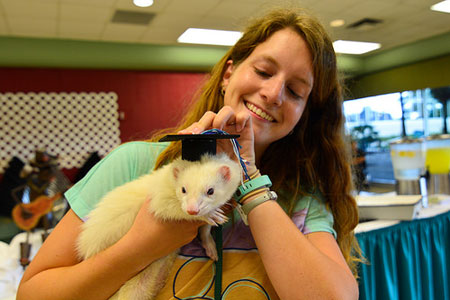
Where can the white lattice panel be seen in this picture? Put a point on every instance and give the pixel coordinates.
(71, 125)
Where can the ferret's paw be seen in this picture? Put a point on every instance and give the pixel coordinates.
(211, 222)
(218, 216)
(211, 251)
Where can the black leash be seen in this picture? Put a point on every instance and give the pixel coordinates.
(218, 263)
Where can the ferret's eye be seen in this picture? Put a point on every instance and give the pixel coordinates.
(210, 191)
(183, 190)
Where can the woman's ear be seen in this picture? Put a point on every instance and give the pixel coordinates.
(227, 74)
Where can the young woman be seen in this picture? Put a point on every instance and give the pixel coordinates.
(278, 88)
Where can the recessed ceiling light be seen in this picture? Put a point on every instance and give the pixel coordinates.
(143, 3)
(337, 23)
(353, 47)
(209, 37)
(443, 6)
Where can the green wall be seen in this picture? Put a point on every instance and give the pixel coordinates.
(425, 63)
(55, 53)
(430, 73)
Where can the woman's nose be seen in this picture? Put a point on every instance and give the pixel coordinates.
(273, 91)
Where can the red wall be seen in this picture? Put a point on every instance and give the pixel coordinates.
(149, 100)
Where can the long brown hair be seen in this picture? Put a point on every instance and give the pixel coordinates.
(315, 156)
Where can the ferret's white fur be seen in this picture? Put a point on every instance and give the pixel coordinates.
(115, 213)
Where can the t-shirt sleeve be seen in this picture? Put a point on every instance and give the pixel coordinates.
(319, 218)
(125, 163)
(312, 215)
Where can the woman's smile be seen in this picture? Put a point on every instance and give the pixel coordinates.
(258, 112)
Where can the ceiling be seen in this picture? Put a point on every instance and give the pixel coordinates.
(402, 21)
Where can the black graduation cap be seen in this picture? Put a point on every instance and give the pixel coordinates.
(193, 146)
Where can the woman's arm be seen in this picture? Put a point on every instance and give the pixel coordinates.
(299, 266)
(57, 273)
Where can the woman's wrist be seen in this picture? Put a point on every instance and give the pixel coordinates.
(252, 174)
(250, 166)
(253, 195)
(255, 173)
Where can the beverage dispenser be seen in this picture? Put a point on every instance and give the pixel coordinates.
(437, 163)
(408, 162)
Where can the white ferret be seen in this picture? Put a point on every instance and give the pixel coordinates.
(181, 190)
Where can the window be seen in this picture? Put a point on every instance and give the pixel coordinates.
(374, 122)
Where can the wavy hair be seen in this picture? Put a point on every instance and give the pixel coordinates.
(315, 157)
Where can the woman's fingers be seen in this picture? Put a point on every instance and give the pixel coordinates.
(164, 235)
(203, 124)
(224, 117)
(244, 121)
(221, 120)
(233, 123)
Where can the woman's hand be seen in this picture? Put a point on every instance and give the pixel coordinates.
(162, 237)
(227, 120)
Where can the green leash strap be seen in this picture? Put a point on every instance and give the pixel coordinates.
(218, 263)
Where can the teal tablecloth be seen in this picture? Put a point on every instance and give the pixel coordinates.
(410, 260)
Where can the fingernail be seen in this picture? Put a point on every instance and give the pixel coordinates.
(238, 127)
(196, 130)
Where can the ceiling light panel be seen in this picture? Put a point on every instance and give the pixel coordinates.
(443, 6)
(353, 47)
(143, 3)
(209, 37)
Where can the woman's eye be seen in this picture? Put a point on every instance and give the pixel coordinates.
(210, 191)
(262, 73)
(183, 190)
(294, 94)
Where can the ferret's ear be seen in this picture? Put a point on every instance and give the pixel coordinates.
(175, 172)
(178, 165)
(225, 172)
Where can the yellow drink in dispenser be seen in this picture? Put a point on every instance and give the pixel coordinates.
(437, 160)
(437, 157)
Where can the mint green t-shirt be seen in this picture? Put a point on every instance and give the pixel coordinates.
(123, 164)
(134, 159)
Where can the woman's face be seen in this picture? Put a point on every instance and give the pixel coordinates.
(272, 84)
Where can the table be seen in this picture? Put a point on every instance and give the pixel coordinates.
(407, 259)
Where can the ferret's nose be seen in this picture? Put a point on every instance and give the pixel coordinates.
(192, 210)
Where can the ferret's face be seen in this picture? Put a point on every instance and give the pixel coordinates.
(198, 200)
(202, 190)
